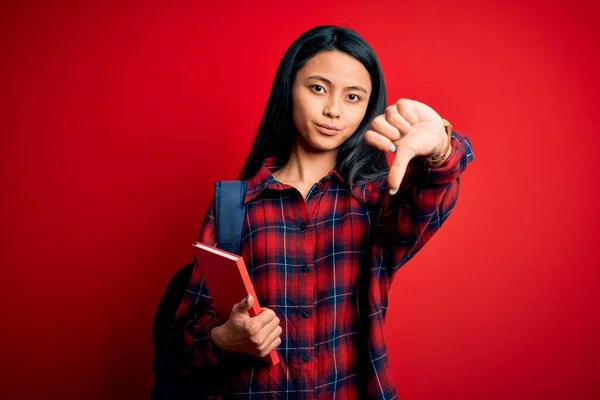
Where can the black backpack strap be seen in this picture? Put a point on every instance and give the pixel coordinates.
(170, 383)
(230, 211)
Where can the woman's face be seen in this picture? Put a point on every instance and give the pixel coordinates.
(330, 97)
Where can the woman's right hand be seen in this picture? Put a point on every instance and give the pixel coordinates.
(257, 336)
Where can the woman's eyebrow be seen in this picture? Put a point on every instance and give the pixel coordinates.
(323, 79)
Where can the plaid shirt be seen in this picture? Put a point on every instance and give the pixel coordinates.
(325, 265)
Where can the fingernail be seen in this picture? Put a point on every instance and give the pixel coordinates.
(393, 148)
(393, 191)
(247, 299)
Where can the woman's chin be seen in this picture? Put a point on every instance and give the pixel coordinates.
(325, 143)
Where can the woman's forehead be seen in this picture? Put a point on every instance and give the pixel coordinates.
(337, 67)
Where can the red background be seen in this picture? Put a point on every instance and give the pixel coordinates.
(116, 120)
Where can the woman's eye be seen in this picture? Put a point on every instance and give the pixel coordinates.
(353, 97)
(318, 88)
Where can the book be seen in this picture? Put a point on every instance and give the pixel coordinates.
(228, 283)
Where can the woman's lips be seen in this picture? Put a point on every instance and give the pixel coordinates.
(327, 129)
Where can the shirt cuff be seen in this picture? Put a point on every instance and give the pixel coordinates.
(462, 154)
(214, 353)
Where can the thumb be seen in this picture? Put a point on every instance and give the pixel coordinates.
(398, 168)
(245, 305)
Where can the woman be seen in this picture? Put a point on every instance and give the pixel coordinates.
(328, 225)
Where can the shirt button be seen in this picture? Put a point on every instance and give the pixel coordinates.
(302, 226)
(305, 268)
(306, 313)
(306, 357)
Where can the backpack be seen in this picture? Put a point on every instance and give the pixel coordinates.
(170, 382)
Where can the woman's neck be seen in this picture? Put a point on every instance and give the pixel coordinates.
(306, 167)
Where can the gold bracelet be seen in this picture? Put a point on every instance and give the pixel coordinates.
(438, 159)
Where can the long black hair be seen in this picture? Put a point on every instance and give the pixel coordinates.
(277, 134)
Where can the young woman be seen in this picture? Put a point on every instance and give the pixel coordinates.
(328, 225)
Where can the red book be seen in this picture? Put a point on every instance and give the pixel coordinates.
(228, 283)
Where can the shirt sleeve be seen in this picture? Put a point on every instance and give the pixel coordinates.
(196, 315)
(426, 198)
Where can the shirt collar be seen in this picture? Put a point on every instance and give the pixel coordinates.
(264, 179)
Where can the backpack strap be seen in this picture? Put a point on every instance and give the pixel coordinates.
(230, 211)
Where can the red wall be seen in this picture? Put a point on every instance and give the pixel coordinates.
(116, 120)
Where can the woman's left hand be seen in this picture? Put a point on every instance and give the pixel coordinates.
(410, 129)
